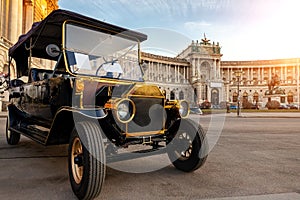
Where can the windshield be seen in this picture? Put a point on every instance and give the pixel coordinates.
(95, 53)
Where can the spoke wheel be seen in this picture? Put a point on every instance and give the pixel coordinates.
(184, 141)
(188, 149)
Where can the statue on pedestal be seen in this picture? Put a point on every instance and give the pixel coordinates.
(273, 82)
(273, 86)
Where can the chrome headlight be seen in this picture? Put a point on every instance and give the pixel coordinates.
(184, 109)
(125, 110)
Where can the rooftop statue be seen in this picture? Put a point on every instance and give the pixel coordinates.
(205, 40)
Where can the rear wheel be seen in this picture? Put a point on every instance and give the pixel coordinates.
(86, 160)
(12, 137)
(188, 149)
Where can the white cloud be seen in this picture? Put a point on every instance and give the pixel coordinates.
(193, 25)
(197, 27)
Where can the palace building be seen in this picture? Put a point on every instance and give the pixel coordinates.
(197, 74)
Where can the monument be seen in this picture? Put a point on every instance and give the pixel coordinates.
(274, 92)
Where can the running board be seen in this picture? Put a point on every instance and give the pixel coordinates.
(135, 155)
(34, 132)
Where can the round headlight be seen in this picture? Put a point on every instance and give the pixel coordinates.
(125, 110)
(184, 109)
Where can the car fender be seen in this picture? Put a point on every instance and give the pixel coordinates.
(65, 119)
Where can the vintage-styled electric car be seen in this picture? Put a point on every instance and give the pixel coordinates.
(92, 96)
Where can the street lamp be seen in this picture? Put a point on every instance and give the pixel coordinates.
(238, 75)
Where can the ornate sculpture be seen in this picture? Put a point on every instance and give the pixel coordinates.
(273, 86)
(273, 82)
(205, 41)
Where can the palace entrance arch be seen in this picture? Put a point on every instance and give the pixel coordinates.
(215, 96)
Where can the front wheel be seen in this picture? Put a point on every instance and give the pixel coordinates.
(188, 149)
(12, 137)
(86, 160)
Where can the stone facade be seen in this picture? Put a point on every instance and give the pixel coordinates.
(171, 74)
(199, 75)
(16, 18)
(256, 76)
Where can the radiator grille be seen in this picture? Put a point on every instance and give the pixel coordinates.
(149, 115)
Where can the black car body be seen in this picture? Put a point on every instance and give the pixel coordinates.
(95, 99)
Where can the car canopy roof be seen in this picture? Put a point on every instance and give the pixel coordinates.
(49, 31)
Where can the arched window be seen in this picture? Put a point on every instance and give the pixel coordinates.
(245, 96)
(181, 95)
(172, 95)
(215, 96)
(235, 97)
(255, 97)
(290, 97)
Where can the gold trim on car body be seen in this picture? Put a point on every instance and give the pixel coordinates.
(145, 90)
(76, 110)
(81, 79)
(171, 103)
(115, 105)
(148, 133)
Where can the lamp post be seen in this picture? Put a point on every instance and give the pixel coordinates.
(238, 75)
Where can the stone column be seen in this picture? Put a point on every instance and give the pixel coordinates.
(175, 73)
(285, 74)
(169, 73)
(20, 18)
(184, 74)
(148, 71)
(198, 66)
(248, 74)
(281, 73)
(193, 67)
(294, 73)
(218, 69)
(178, 74)
(199, 93)
(3, 18)
(151, 71)
(159, 74)
(15, 19)
(263, 73)
(214, 69)
(228, 74)
(259, 75)
(177, 77)
(28, 14)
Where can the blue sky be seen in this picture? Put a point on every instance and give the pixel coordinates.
(246, 29)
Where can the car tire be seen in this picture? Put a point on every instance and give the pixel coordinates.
(86, 160)
(12, 137)
(188, 150)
